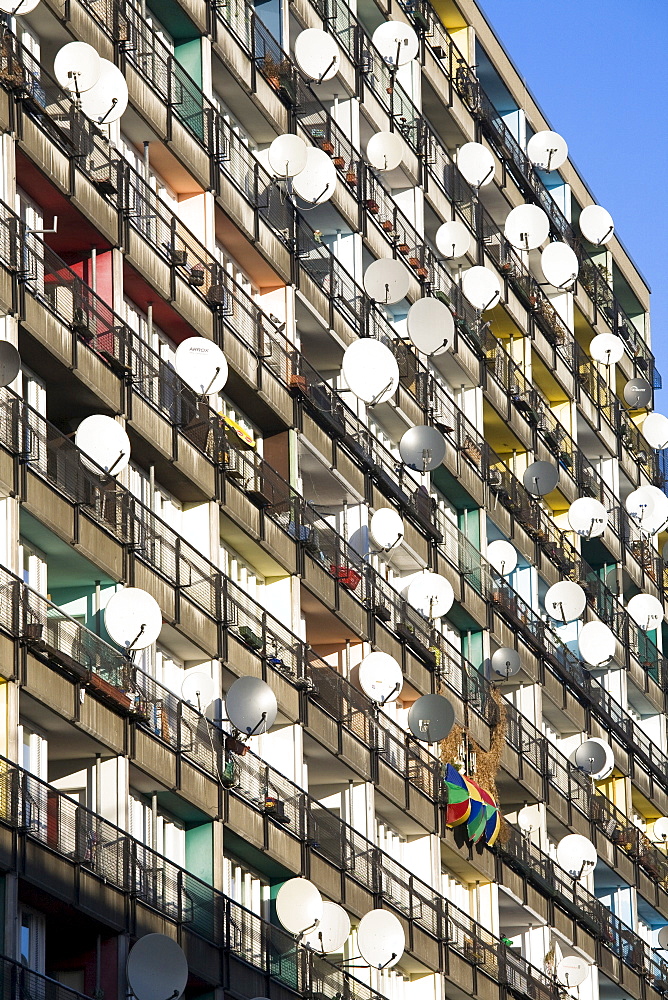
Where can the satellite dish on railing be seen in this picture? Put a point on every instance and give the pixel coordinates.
(251, 706)
(431, 326)
(572, 971)
(197, 689)
(299, 906)
(104, 441)
(637, 393)
(596, 225)
(317, 54)
(607, 349)
(396, 42)
(502, 556)
(17, 7)
(560, 265)
(476, 164)
(596, 644)
(565, 601)
(660, 832)
(595, 758)
(527, 227)
(547, 150)
(77, 67)
(380, 677)
(316, 183)
(386, 280)
(528, 818)
(422, 448)
(380, 939)
(646, 611)
(576, 855)
(431, 594)
(202, 365)
(385, 150)
(588, 517)
(386, 528)
(540, 478)
(157, 968)
(108, 99)
(655, 430)
(453, 240)
(431, 718)
(331, 933)
(639, 506)
(481, 287)
(663, 938)
(287, 155)
(506, 662)
(10, 362)
(370, 370)
(133, 618)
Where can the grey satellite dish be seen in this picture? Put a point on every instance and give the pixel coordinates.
(431, 326)
(637, 393)
(527, 227)
(576, 855)
(287, 155)
(251, 706)
(596, 225)
(565, 601)
(422, 448)
(370, 370)
(481, 287)
(606, 348)
(386, 528)
(646, 611)
(502, 556)
(202, 365)
(663, 939)
(660, 832)
(331, 933)
(655, 430)
(317, 54)
(385, 150)
(540, 478)
(595, 758)
(476, 164)
(506, 662)
(588, 517)
(396, 42)
(431, 718)
(547, 150)
(104, 441)
(108, 99)
(316, 183)
(572, 971)
(197, 689)
(560, 265)
(299, 906)
(77, 67)
(156, 968)
(596, 644)
(380, 939)
(10, 362)
(453, 240)
(386, 280)
(133, 618)
(17, 7)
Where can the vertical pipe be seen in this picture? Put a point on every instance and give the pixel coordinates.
(93, 269)
(98, 782)
(154, 821)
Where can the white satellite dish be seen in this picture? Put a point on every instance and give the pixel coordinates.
(10, 362)
(380, 939)
(317, 54)
(560, 265)
(596, 225)
(659, 516)
(386, 528)
(505, 662)
(482, 287)
(655, 430)
(430, 326)
(540, 478)
(646, 611)
(380, 677)
(316, 183)
(422, 448)
(565, 601)
(637, 393)
(588, 517)
(370, 370)
(663, 939)
(157, 968)
(396, 42)
(386, 280)
(453, 240)
(431, 718)
(331, 933)
(385, 150)
(640, 506)
(547, 150)
(202, 365)
(527, 227)
(197, 689)
(528, 818)
(476, 164)
(576, 855)
(607, 349)
(133, 618)
(596, 644)
(660, 831)
(431, 594)
(17, 7)
(572, 971)
(299, 906)
(108, 99)
(77, 67)
(105, 442)
(502, 556)
(251, 706)
(595, 758)
(287, 155)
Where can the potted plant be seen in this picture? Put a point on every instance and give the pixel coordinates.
(403, 248)
(372, 206)
(351, 175)
(339, 162)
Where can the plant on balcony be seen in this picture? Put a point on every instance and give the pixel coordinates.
(403, 248)
(372, 206)
(327, 146)
(278, 74)
(351, 175)
(339, 162)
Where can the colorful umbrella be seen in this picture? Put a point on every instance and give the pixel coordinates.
(475, 825)
(459, 804)
(488, 818)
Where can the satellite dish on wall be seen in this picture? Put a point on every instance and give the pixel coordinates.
(596, 225)
(299, 906)
(10, 362)
(133, 618)
(396, 42)
(157, 968)
(316, 183)
(502, 556)
(332, 931)
(588, 517)
(287, 155)
(576, 855)
(317, 54)
(385, 150)
(540, 478)
(251, 706)
(572, 971)
(386, 528)
(565, 601)
(527, 227)
(422, 448)
(547, 150)
(607, 349)
(202, 365)
(431, 594)
(481, 287)
(431, 326)
(506, 662)
(380, 677)
(595, 758)
(646, 611)
(655, 430)
(77, 67)
(386, 280)
(596, 644)
(108, 99)
(476, 164)
(431, 718)
(370, 370)
(453, 240)
(560, 265)
(105, 442)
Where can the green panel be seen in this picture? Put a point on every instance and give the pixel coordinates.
(189, 55)
(452, 489)
(469, 525)
(173, 18)
(199, 851)
(187, 83)
(472, 647)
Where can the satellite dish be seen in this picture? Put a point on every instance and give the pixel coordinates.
(596, 644)
(77, 67)
(476, 164)
(502, 556)
(481, 287)
(385, 150)
(386, 280)
(197, 689)
(380, 939)
(660, 831)
(108, 99)
(588, 517)
(595, 758)
(157, 968)
(565, 601)
(640, 505)
(370, 370)
(104, 441)
(299, 906)
(607, 348)
(10, 362)
(431, 718)
(15, 7)
(331, 933)
(431, 594)
(655, 430)
(422, 448)
(251, 706)
(576, 855)
(637, 393)
(646, 611)
(658, 518)
(287, 155)
(316, 183)
(202, 365)
(528, 818)
(431, 326)
(386, 528)
(396, 42)
(133, 619)
(527, 226)
(663, 938)
(572, 971)
(453, 240)
(380, 677)
(506, 662)
(560, 265)
(547, 150)
(317, 54)
(540, 478)
(596, 225)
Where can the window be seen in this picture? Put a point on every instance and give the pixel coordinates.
(159, 831)
(245, 888)
(31, 940)
(33, 566)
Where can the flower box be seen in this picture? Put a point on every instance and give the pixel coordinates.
(372, 206)
(339, 162)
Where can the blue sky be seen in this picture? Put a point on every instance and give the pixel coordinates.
(599, 71)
